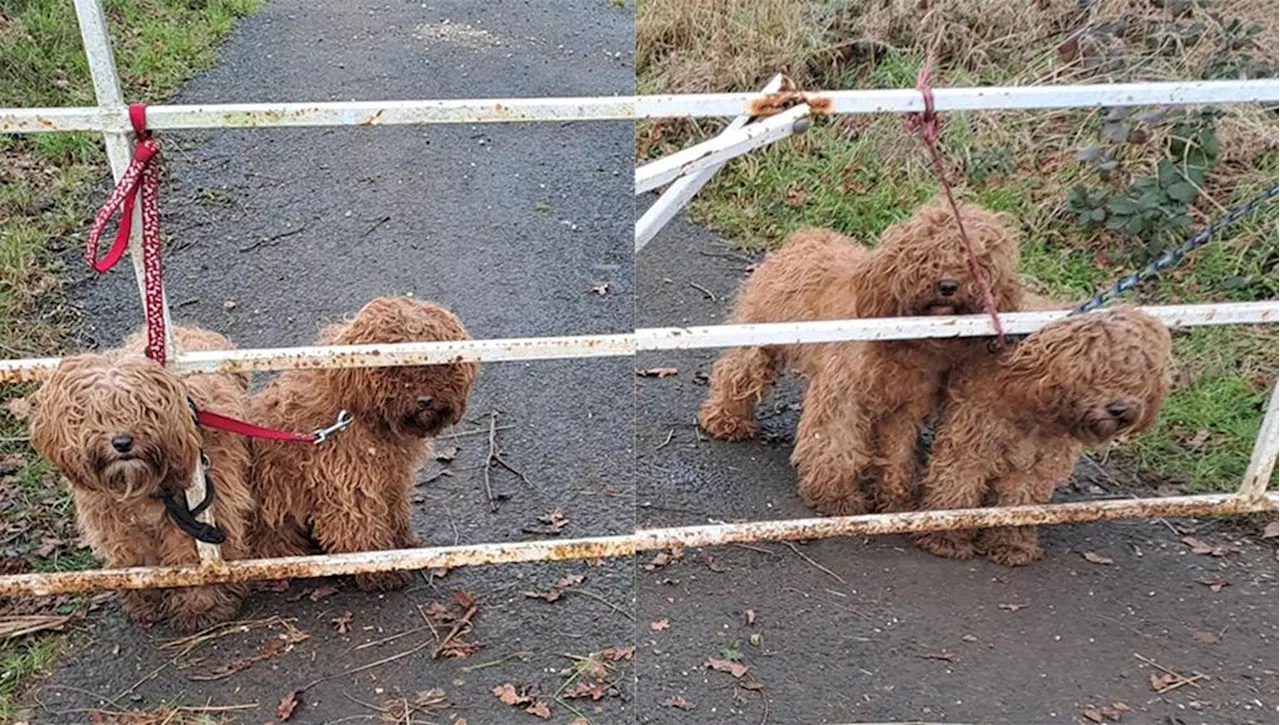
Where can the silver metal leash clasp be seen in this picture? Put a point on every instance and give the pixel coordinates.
(323, 434)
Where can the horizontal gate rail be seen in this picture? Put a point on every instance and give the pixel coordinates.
(450, 557)
(162, 117)
(644, 339)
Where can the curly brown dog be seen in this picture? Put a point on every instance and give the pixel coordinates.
(351, 493)
(864, 403)
(1015, 425)
(119, 427)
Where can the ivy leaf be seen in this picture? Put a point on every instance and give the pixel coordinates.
(1121, 205)
(1166, 172)
(1183, 192)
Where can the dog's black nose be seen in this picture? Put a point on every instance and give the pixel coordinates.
(122, 443)
(1117, 409)
(425, 401)
(948, 287)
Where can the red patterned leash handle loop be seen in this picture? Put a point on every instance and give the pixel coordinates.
(928, 127)
(140, 183)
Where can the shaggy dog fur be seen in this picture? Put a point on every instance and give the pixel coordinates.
(351, 493)
(865, 402)
(118, 426)
(1016, 424)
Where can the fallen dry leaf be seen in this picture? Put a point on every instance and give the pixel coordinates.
(795, 197)
(465, 599)
(1161, 681)
(48, 545)
(1013, 607)
(737, 669)
(1215, 585)
(539, 709)
(556, 519)
(600, 289)
(569, 580)
(549, 596)
(1093, 558)
(20, 408)
(751, 617)
(343, 623)
(1204, 638)
(1272, 530)
(459, 648)
(678, 702)
(323, 592)
(657, 373)
(1093, 715)
(619, 654)
(659, 626)
(1200, 546)
(586, 689)
(710, 561)
(509, 695)
(288, 704)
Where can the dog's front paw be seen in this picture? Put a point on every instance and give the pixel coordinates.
(725, 426)
(851, 504)
(951, 544)
(384, 581)
(1011, 547)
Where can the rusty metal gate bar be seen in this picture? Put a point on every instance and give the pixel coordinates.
(450, 557)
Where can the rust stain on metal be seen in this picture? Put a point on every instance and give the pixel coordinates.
(774, 103)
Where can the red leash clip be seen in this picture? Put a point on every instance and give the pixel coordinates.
(141, 181)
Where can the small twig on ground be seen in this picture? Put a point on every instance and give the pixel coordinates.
(760, 549)
(385, 640)
(495, 663)
(728, 255)
(602, 600)
(479, 431)
(488, 486)
(1179, 682)
(711, 296)
(378, 663)
(362, 703)
(150, 676)
(271, 240)
(815, 564)
(670, 432)
(374, 228)
(457, 627)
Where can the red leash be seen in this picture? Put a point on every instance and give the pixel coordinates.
(928, 127)
(141, 181)
(209, 419)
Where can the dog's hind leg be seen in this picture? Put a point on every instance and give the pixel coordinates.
(958, 477)
(740, 379)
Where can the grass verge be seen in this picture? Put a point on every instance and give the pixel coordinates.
(47, 185)
(859, 174)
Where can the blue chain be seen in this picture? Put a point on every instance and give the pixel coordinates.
(1171, 257)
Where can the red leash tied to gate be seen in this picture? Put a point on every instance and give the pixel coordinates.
(928, 127)
(140, 182)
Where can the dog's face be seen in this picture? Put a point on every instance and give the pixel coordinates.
(116, 423)
(418, 401)
(921, 268)
(1097, 377)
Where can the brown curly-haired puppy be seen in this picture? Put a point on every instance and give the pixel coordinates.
(1016, 424)
(351, 493)
(864, 403)
(118, 426)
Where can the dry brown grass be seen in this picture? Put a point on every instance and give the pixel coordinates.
(690, 46)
